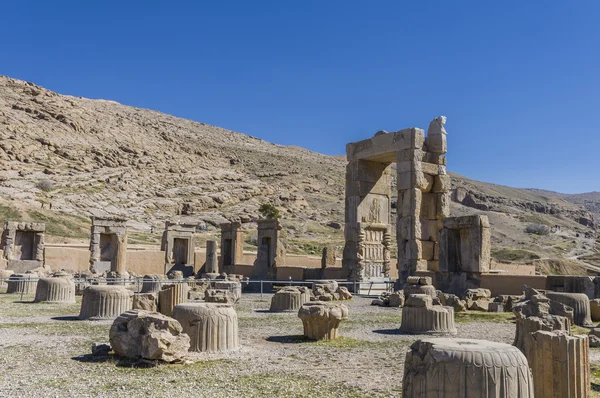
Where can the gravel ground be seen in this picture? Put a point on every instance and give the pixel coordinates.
(44, 351)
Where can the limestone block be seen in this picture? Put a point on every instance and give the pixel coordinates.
(595, 310)
(429, 207)
(409, 228)
(287, 299)
(212, 327)
(148, 335)
(105, 302)
(55, 290)
(234, 287)
(420, 316)
(479, 305)
(495, 307)
(324, 286)
(451, 300)
(152, 283)
(396, 299)
(580, 304)
(145, 301)
(428, 250)
(441, 184)
(170, 296)
(307, 293)
(464, 368)
(175, 275)
(560, 365)
(443, 203)
(22, 283)
(476, 294)
(419, 289)
(219, 296)
(342, 293)
(321, 320)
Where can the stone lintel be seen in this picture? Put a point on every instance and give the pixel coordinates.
(383, 147)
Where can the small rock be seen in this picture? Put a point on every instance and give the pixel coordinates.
(100, 349)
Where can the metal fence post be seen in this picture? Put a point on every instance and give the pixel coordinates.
(261, 288)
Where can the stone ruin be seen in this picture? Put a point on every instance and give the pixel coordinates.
(290, 298)
(328, 290)
(22, 283)
(232, 244)
(419, 285)
(59, 289)
(464, 252)
(211, 268)
(178, 245)
(423, 201)
(108, 246)
(421, 316)
(321, 320)
(105, 302)
(212, 327)
(145, 335)
(580, 304)
(23, 245)
(463, 368)
(271, 249)
(170, 296)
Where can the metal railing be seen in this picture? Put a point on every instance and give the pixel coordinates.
(265, 286)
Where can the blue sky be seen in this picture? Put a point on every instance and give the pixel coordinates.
(518, 80)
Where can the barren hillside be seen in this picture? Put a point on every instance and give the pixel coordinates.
(64, 158)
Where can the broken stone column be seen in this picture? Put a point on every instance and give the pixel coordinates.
(60, 290)
(152, 283)
(234, 287)
(421, 316)
(580, 304)
(4, 275)
(212, 327)
(287, 299)
(148, 335)
(560, 365)
(105, 302)
(464, 368)
(219, 296)
(211, 270)
(536, 313)
(22, 283)
(170, 296)
(145, 301)
(321, 320)
(419, 285)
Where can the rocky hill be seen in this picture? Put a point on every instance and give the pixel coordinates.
(63, 159)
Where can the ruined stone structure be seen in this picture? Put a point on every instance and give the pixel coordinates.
(23, 245)
(423, 201)
(463, 368)
(170, 296)
(321, 320)
(4, 275)
(211, 269)
(536, 313)
(271, 249)
(580, 304)
(55, 290)
(152, 283)
(419, 285)
(148, 335)
(421, 316)
(560, 365)
(145, 301)
(232, 244)
(588, 285)
(108, 245)
(234, 287)
(105, 302)
(287, 298)
(212, 327)
(178, 244)
(22, 283)
(464, 252)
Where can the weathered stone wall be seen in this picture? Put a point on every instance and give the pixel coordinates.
(232, 244)
(177, 232)
(271, 249)
(23, 245)
(108, 235)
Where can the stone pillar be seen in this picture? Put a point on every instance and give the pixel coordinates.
(560, 365)
(420, 316)
(170, 296)
(287, 299)
(212, 257)
(120, 264)
(271, 249)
